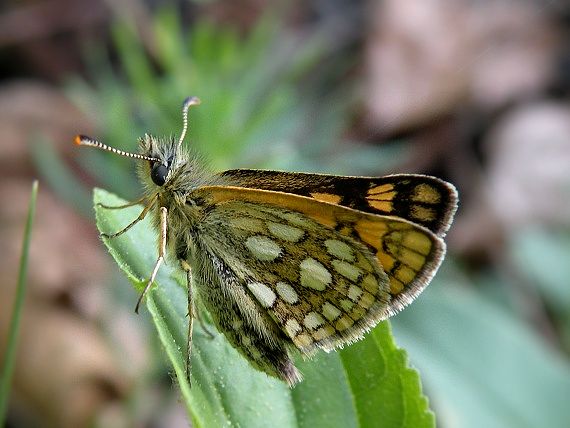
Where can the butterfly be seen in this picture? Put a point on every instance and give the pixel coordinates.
(289, 262)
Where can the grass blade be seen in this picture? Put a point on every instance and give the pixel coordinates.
(10, 357)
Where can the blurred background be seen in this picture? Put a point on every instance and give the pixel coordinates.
(474, 92)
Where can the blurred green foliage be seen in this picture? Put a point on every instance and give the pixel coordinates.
(257, 110)
(253, 112)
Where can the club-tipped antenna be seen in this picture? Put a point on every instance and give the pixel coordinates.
(190, 101)
(82, 140)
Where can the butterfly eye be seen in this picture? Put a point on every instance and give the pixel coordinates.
(158, 173)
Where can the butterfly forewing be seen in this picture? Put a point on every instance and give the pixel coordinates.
(422, 199)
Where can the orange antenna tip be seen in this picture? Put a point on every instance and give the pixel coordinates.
(83, 140)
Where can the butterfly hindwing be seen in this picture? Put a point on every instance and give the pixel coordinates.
(322, 288)
(422, 199)
(408, 253)
(235, 313)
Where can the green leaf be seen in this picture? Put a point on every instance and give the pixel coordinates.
(482, 365)
(542, 256)
(11, 345)
(368, 384)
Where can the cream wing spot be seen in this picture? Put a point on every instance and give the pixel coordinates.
(418, 241)
(314, 275)
(324, 332)
(344, 323)
(367, 300)
(396, 286)
(354, 293)
(346, 305)
(411, 258)
(263, 248)
(262, 293)
(340, 250)
(292, 327)
(370, 284)
(405, 274)
(347, 270)
(287, 293)
(303, 340)
(285, 232)
(426, 193)
(422, 213)
(357, 313)
(313, 320)
(330, 311)
(364, 264)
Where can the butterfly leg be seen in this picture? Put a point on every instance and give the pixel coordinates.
(191, 312)
(161, 253)
(119, 207)
(141, 216)
(203, 326)
(190, 327)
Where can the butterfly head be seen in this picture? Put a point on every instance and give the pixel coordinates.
(163, 157)
(159, 172)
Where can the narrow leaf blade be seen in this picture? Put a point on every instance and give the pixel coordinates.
(11, 346)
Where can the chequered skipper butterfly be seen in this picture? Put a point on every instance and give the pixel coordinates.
(286, 261)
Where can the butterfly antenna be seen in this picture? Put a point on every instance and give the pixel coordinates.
(190, 101)
(82, 140)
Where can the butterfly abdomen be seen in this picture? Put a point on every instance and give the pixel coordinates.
(240, 317)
